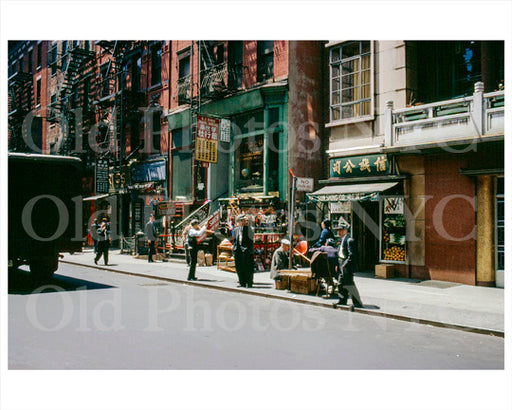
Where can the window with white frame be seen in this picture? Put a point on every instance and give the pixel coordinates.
(351, 74)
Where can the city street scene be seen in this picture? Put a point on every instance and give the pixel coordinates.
(256, 205)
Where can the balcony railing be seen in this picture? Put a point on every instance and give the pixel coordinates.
(184, 91)
(480, 115)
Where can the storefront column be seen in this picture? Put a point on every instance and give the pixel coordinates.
(485, 273)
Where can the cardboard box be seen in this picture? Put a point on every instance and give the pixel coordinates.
(302, 284)
(384, 270)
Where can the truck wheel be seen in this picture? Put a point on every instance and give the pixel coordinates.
(42, 270)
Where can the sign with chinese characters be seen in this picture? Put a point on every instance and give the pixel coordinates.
(304, 184)
(359, 166)
(101, 176)
(225, 130)
(207, 139)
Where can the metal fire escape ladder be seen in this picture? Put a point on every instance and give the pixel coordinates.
(78, 59)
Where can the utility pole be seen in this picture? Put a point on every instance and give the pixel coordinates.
(291, 217)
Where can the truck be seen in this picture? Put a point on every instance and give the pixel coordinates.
(44, 210)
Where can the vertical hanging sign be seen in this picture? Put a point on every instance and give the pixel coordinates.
(207, 139)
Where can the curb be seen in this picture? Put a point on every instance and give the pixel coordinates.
(471, 329)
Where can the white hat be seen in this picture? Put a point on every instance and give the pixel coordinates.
(285, 241)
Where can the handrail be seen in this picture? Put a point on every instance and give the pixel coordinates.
(189, 217)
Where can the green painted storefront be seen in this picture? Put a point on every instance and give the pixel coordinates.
(259, 138)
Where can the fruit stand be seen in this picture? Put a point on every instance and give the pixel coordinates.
(393, 244)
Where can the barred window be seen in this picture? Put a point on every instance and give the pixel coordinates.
(351, 81)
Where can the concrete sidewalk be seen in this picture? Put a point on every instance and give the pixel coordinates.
(452, 305)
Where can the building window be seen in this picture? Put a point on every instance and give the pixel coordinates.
(156, 65)
(182, 164)
(53, 59)
(39, 55)
(265, 60)
(184, 93)
(136, 72)
(64, 55)
(105, 89)
(249, 165)
(53, 103)
(235, 64)
(30, 61)
(86, 91)
(20, 65)
(155, 134)
(38, 92)
(351, 69)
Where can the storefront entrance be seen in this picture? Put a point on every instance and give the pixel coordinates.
(365, 230)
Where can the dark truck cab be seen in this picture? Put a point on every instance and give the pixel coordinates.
(44, 210)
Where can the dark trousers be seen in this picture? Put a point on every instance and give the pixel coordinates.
(244, 264)
(347, 287)
(102, 250)
(193, 262)
(152, 250)
(95, 241)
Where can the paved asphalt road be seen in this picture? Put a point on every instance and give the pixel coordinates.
(92, 319)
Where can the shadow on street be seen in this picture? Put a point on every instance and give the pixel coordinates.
(21, 282)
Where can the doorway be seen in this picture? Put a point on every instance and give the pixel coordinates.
(365, 231)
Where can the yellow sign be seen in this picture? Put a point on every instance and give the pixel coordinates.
(207, 139)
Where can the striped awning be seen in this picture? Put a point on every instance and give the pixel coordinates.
(357, 192)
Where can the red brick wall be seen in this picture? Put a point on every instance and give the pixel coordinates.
(447, 256)
(305, 108)
(280, 59)
(250, 63)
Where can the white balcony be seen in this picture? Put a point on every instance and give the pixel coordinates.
(446, 122)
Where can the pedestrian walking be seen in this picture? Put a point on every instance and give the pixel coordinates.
(347, 265)
(103, 233)
(194, 232)
(243, 251)
(94, 233)
(151, 235)
(325, 234)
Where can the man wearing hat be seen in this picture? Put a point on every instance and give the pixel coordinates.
(347, 266)
(194, 232)
(243, 251)
(280, 259)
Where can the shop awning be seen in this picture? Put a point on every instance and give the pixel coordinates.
(357, 192)
(94, 198)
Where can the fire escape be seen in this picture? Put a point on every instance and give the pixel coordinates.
(63, 110)
(21, 95)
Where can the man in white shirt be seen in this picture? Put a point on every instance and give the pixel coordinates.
(194, 232)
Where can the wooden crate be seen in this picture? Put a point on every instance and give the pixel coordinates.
(284, 283)
(302, 284)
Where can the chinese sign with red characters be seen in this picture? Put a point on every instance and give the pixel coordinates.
(359, 166)
(207, 139)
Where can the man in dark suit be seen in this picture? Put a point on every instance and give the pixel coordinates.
(347, 266)
(151, 235)
(243, 251)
